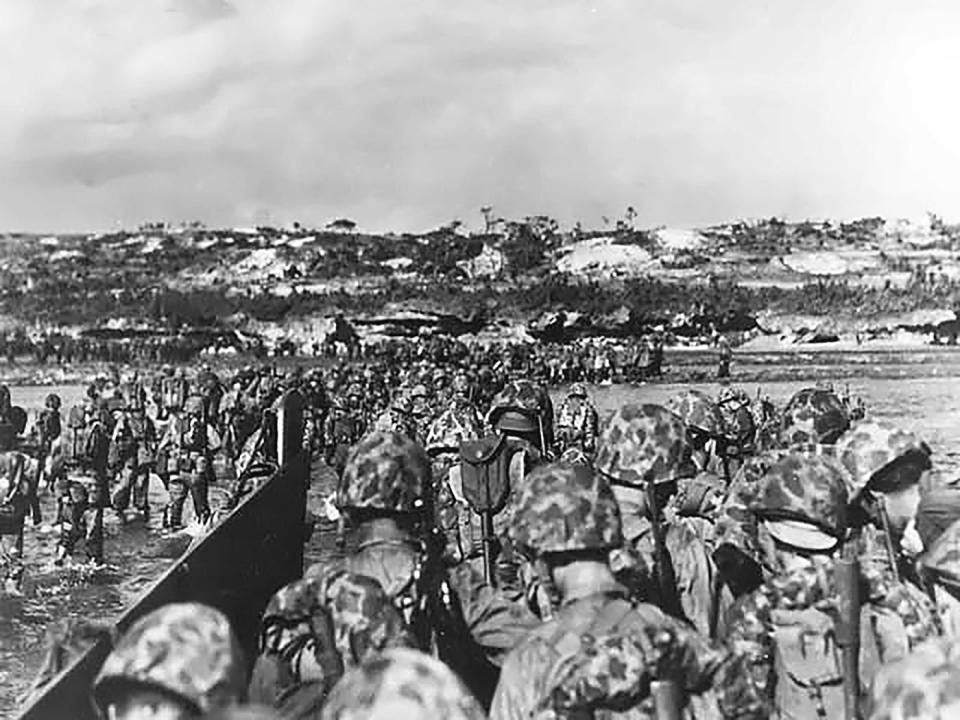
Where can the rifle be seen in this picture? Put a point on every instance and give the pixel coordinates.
(666, 576)
(666, 699)
(847, 570)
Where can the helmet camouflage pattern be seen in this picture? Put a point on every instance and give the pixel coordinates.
(565, 507)
(386, 471)
(641, 443)
(522, 396)
(574, 456)
(461, 383)
(813, 415)
(365, 618)
(577, 389)
(187, 649)
(698, 411)
(809, 488)
(401, 404)
(451, 429)
(401, 683)
(298, 600)
(924, 685)
(871, 445)
(53, 401)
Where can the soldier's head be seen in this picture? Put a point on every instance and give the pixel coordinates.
(4, 398)
(401, 683)
(523, 409)
(706, 428)
(885, 464)
(180, 661)
(578, 391)
(802, 505)
(449, 431)
(566, 514)
(387, 475)
(642, 444)
(813, 415)
(52, 402)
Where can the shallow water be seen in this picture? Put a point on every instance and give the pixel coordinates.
(921, 390)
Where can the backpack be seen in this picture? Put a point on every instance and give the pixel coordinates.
(808, 665)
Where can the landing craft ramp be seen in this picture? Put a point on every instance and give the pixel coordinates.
(254, 551)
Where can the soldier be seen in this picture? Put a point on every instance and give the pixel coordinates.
(886, 465)
(398, 418)
(16, 502)
(706, 431)
(461, 398)
(665, 506)
(577, 421)
(312, 632)
(402, 683)
(48, 431)
(385, 497)
(460, 527)
(189, 443)
(567, 521)
(724, 358)
(180, 661)
(344, 427)
(132, 451)
(787, 627)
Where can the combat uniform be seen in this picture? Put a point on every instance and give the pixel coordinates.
(450, 612)
(132, 453)
(600, 651)
(189, 443)
(577, 422)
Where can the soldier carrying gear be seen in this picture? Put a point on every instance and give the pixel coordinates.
(567, 521)
(343, 428)
(189, 444)
(459, 526)
(311, 632)
(132, 448)
(180, 661)
(578, 421)
(813, 415)
(48, 430)
(174, 389)
(706, 431)
(886, 464)
(385, 496)
(644, 453)
(790, 628)
(402, 683)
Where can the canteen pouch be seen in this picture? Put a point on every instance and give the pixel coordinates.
(485, 473)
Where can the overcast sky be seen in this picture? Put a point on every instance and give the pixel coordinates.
(407, 114)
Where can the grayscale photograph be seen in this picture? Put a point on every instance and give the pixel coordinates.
(441, 360)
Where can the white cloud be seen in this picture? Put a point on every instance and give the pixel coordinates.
(408, 114)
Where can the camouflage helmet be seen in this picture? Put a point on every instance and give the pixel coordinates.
(574, 456)
(564, 507)
(698, 412)
(641, 443)
(872, 445)
(366, 620)
(451, 429)
(577, 389)
(401, 683)
(298, 600)
(193, 405)
(52, 401)
(924, 685)
(461, 383)
(386, 471)
(401, 403)
(419, 391)
(813, 415)
(186, 649)
(524, 397)
(809, 489)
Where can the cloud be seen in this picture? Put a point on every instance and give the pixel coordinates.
(405, 115)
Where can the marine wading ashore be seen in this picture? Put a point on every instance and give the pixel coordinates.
(660, 510)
